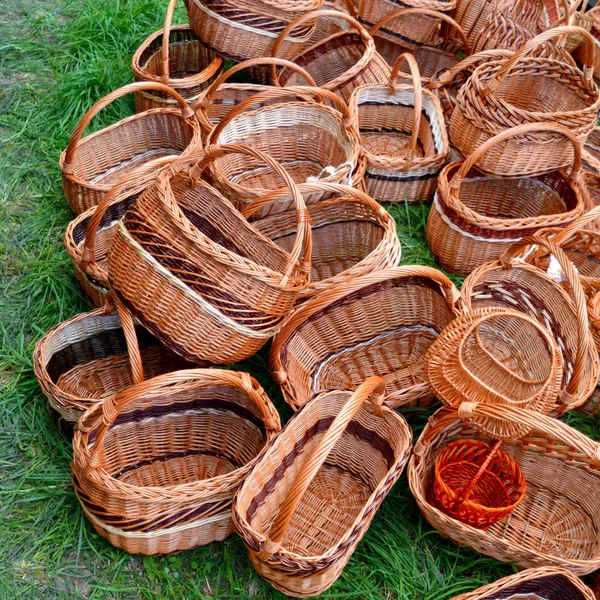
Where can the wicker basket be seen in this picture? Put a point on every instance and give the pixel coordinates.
(314, 492)
(221, 97)
(499, 31)
(558, 521)
(590, 22)
(291, 9)
(475, 217)
(526, 90)
(403, 137)
(339, 63)
(419, 29)
(437, 55)
(377, 324)
(543, 583)
(238, 34)
(592, 406)
(512, 283)
(351, 234)
(197, 274)
(94, 281)
(330, 26)
(156, 468)
(176, 57)
(89, 358)
(309, 139)
(591, 152)
(92, 165)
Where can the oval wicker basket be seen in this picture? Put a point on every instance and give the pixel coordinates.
(314, 492)
(236, 33)
(476, 217)
(512, 283)
(156, 468)
(220, 97)
(403, 137)
(196, 273)
(339, 63)
(352, 235)
(546, 583)
(376, 324)
(522, 90)
(558, 521)
(91, 165)
(307, 137)
(88, 358)
(176, 57)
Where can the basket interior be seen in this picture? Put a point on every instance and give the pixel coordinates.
(544, 587)
(105, 157)
(184, 436)
(560, 512)
(386, 123)
(429, 59)
(304, 139)
(88, 358)
(363, 458)
(327, 60)
(343, 234)
(383, 329)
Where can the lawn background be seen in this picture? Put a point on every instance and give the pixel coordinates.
(56, 59)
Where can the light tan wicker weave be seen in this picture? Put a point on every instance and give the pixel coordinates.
(92, 165)
(403, 137)
(156, 468)
(557, 523)
(527, 89)
(512, 283)
(176, 57)
(196, 273)
(308, 138)
(475, 217)
(376, 324)
(220, 97)
(88, 358)
(591, 152)
(314, 492)
(339, 63)
(351, 234)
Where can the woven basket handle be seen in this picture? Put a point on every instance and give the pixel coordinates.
(302, 249)
(418, 92)
(210, 93)
(564, 234)
(165, 41)
(372, 389)
(589, 54)
(318, 14)
(304, 93)
(186, 112)
(424, 11)
(583, 330)
(517, 131)
(312, 187)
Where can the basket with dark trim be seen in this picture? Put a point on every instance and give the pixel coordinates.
(475, 217)
(376, 324)
(176, 57)
(313, 493)
(91, 165)
(156, 467)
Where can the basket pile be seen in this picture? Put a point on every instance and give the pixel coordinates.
(228, 215)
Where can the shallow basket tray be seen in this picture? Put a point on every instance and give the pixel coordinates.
(156, 468)
(376, 324)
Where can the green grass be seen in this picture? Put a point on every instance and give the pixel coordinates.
(56, 58)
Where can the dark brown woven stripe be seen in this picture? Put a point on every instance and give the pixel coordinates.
(113, 214)
(551, 587)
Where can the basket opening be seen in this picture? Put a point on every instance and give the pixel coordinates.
(547, 587)
(327, 60)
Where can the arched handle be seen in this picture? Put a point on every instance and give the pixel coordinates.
(418, 91)
(165, 41)
(302, 248)
(210, 93)
(589, 53)
(424, 11)
(513, 132)
(303, 93)
(583, 332)
(372, 389)
(186, 112)
(563, 235)
(317, 14)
